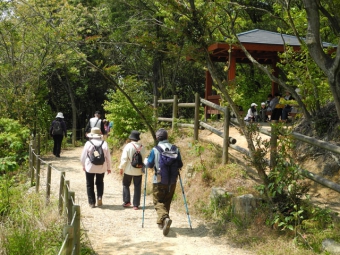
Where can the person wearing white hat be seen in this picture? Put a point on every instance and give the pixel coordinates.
(252, 113)
(94, 171)
(58, 131)
(263, 111)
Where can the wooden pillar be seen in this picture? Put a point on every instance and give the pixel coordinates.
(174, 111)
(232, 68)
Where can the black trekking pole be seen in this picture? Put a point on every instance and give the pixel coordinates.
(185, 201)
(146, 177)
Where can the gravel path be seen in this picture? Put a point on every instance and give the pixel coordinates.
(113, 229)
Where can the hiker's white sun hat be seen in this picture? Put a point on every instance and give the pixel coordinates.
(60, 115)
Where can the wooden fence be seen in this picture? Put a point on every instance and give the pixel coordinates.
(71, 231)
(197, 123)
(230, 142)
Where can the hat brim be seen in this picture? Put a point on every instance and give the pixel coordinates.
(89, 135)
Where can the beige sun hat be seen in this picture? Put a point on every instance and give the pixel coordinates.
(95, 133)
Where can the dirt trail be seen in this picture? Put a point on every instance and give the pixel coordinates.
(113, 229)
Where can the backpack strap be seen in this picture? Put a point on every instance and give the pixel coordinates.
(138, 148)
(95, 124)
(159, 148)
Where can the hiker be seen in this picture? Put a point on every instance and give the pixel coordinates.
(263, 111)
(131, 173)
(58, 131)
(162, 193)
(95, 122)
(276, 107)
(252, 115)
(288, 107)
(92, 170)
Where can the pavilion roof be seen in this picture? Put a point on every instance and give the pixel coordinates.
(263, 45)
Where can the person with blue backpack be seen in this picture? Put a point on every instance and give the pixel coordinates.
(166, 160)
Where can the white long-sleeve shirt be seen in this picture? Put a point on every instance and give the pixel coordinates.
(250, 114)
(85, 161)
(127, 154)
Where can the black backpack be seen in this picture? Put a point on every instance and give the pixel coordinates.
(97, 156)
(169, 164)
(56, 128)
(137, 160)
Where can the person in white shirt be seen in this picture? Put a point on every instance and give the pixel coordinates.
(131, 173)
(252, 113)
(95, 171)
(95, 122)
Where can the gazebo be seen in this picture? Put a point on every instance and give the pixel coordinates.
(263, 45)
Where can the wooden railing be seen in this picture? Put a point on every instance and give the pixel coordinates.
(197, 123)
(230, 142)
(71, 231)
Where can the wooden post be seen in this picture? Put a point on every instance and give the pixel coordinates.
(61, 189)
(68, 233)
(37, 174)
(70, 200)
(197, 116)
(48, 181)
(76, 227)
(65, 205)
(226, 123)
(174, 111)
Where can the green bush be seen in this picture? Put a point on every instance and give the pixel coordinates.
(121, 112)
(13, 140)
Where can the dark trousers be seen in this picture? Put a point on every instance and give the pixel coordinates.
(285, 112)
(162, 197)
(276, 114)
(137, 183)
(263, 115)
(90, 186)
(57, 144)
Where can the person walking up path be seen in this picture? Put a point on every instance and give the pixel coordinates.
(113, 230)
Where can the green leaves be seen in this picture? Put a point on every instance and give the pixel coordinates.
(13, 143)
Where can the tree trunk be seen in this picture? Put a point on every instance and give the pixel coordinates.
(221, 86)
(313, 40)
(68, 88)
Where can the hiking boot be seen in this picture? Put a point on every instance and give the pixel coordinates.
(166, 226)
(128, 204)
(160, 226)
(99, 201)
